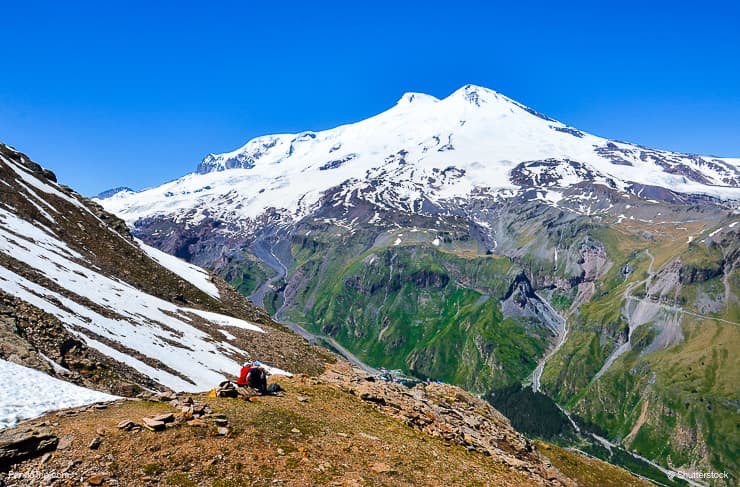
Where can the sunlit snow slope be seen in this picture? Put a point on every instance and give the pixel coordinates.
(50, 259)
(33, 393)
(423, 151)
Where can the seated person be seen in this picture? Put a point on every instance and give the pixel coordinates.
(257, 378)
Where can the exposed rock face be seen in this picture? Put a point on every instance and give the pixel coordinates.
(19, 445)
(522, 302)
(594, 260)
(28, 332)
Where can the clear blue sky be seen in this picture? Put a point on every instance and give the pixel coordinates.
(135, 94)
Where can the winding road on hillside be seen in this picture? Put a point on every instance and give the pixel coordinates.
(628, 297)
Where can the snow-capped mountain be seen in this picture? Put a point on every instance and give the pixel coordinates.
(421, 155)
(475, 241)
(83, 301)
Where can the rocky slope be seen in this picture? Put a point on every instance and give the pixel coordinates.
(342, 428)
(444, 238)
(83, 301)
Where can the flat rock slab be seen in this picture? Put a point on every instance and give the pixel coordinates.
(65, 442)
(152, 424)
(16, 446)
(165, 418)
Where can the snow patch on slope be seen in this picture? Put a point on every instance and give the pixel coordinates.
(193, 274)
(124, 315)
(29, 393)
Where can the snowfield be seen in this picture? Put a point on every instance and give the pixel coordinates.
(421, 149)
(28, 393)
(141, 322)
(193, 274)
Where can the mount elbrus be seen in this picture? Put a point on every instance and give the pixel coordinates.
(475, 241)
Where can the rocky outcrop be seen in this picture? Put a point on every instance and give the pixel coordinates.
(521, 301)
(594, 260)
(33, 338)
(21, 444)
(452, 414)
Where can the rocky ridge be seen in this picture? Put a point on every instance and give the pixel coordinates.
(449, 413)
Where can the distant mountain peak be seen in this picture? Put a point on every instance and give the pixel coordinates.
(416, 98)
(475, 95)
(424, 152)
(113, 191)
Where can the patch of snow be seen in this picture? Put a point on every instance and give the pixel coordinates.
(436, 242)
(553, 196)
(57, 367)
(715, 232)
(29, 394)
(153, 327)
(193, 274)
(227, 335)
(38, 206)
(224, 320)
(276, 371)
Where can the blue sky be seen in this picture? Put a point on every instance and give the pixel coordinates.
(127, 93)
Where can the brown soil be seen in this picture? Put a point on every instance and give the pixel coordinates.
(333, 438)
(316, 432)
(638, 424)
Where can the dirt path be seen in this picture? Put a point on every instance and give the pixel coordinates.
(638, 424)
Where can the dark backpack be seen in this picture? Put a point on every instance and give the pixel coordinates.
(255, 378)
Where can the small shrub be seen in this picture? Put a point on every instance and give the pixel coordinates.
(152, 469)
(181, 479)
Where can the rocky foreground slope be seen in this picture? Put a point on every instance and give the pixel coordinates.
(342, 428)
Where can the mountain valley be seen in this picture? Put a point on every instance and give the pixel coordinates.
(474, 241)
(586, 287)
